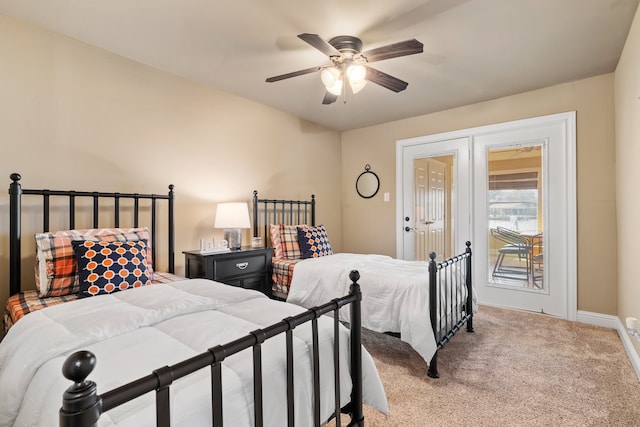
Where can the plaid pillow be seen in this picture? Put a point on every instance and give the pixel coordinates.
(108, 267)
(289, 241)
(56, 268)
(314, 242)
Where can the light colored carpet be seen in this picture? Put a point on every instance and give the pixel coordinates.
(516, 369)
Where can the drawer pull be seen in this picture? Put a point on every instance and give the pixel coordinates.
(242, 265)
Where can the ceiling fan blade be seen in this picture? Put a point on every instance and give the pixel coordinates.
(317, 42)
(293, 74)
(329, 98)
(385, 80)
(407, 47)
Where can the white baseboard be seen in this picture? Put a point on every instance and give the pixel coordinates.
(613, 322)
(597, 319)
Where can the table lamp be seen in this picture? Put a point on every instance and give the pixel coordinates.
(232, 217)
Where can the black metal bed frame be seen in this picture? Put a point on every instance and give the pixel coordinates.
(15, 219)
(447, 271)
(82, 406)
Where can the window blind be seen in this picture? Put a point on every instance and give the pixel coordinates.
(514, 181)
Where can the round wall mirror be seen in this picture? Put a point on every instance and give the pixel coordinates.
(368, 183)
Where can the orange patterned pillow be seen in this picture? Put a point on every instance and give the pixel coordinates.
(314, 242)
(108, 267)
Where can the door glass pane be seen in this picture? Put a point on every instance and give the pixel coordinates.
(516, 249)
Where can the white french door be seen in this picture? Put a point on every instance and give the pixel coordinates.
(549, 294)
(541, 278)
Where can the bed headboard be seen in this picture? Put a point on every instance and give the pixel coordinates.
(15, 216)
(274, 211)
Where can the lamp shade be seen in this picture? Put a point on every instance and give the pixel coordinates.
(232, 215)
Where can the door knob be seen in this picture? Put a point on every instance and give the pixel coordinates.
(407, 229)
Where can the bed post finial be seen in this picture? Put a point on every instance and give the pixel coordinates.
(15, 177)
(354, 276)
(81, 404)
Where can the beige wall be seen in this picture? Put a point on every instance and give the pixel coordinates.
(627, 95)
(79, 118)
(67, 108)
(369, 225)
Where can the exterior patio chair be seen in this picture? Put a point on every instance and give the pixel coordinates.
(515, 245)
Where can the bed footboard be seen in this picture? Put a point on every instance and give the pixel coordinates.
(450, 299)
(82, 406)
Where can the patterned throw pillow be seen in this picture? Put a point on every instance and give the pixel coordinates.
(314, 242)
(107, 267)
(289, 241)
(56, 269)
(274, 231)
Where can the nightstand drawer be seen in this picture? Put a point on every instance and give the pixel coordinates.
(248, 268)
(247, 265)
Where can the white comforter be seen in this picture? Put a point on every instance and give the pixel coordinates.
(395, 293)
(138, 330)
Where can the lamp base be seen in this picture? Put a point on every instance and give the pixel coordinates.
(233, 236)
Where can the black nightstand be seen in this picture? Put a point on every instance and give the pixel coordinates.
(247, 268)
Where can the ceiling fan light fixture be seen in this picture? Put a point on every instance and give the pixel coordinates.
(329, 76)
(356, 73)
(332, 80)
(348, 63)
(336, 89)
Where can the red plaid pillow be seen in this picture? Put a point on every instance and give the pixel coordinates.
(56, 269)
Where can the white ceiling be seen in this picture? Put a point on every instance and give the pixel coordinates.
(474, 50)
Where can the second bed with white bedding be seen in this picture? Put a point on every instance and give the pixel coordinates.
(395, 293)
